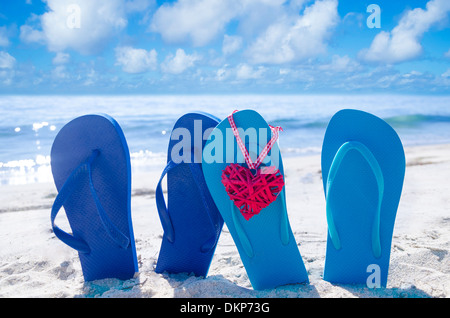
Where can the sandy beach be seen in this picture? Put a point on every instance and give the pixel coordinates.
(34, 263)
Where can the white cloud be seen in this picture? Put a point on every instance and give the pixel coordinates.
(201, 21)
(446, 73)
(256, 15)
(61, 58)
(231, 44)
(296, 37)
(6, 60)
(4, 41)
(284, 71)
(222, 73)
(297, 4)
(341, 64)
(447, 54)
(30, 35)
(403, 42)
(197, 21)
(179, 63)
(241, 72)
(59, 72)
(136, 60)
(82, 25)
(133, 6)
(91, 78)
(245, 71)
(412, 74)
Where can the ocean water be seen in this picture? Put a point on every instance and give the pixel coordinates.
(29, 124)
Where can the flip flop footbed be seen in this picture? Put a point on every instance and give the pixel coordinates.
(354, 197)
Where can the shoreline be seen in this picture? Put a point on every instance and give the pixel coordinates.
(33, 263)
(145, 178)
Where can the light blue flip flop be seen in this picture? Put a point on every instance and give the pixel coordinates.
(363, 167)
(90, 163)
(264, 241)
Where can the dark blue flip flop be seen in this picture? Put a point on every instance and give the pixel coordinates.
(191, 222)
(90, 163)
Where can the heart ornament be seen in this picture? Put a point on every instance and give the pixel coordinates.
(252, 192)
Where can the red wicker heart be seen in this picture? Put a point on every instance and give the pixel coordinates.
(251, 193)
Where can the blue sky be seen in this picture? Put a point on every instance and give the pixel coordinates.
(223, 47)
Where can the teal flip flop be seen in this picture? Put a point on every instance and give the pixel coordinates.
(260, 230)
(363, 167)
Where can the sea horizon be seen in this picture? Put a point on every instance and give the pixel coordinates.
(29, 123)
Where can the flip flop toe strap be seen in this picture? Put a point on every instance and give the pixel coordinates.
(375, 167)
(73, 182)
(163, 211)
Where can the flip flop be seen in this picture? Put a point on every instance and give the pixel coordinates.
(250, 195)
(363, 167)
(191, 222)
(90, 163)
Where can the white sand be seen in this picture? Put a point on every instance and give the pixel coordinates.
(33, 263)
